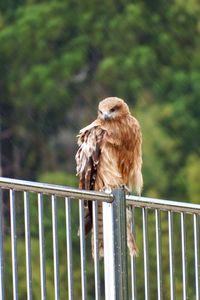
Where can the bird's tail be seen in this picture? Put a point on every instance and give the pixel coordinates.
(133, 250)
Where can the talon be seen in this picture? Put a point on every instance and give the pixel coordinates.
(107, 190)
(127, 190)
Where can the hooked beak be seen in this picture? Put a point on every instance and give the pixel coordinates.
(106, 115)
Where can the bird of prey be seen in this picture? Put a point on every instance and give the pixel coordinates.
(110, 156)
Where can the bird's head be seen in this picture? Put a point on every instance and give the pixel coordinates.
(112, 108)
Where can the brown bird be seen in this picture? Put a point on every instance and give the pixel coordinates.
(110, 156)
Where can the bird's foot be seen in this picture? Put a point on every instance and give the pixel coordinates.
(126, 189)
(107, 190)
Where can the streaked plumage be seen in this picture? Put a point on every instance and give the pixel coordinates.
(109, 156)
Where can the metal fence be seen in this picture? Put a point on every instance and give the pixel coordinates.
(167, 234)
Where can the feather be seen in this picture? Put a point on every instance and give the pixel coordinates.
(87, 159)
(110, 156)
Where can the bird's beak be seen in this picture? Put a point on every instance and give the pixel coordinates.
(106, 115)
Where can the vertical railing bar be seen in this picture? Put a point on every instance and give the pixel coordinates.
(27, 246)
(82, 249)
(69, 247)
(184, 256)
(109, 257)
(133, 262)
(146, 254)
(1, 248)
(171, 255)
(196, 255)
(14, 244)
(55, 247)
(41, 246)
(96, 249)
(158, 254)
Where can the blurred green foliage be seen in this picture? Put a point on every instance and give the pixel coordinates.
(57, 60)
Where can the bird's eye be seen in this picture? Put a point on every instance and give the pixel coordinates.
(100, 111)
(114, 109)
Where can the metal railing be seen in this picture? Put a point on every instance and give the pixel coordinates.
(178, 210)
(167, 234)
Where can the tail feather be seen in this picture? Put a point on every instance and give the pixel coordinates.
(133, 250)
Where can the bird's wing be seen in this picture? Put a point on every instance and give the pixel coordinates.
(87, 160)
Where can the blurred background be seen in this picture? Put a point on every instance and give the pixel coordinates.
(58, 59)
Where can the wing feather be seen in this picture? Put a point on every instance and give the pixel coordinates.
(87, 160)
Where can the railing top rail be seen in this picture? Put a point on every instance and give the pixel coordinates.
(63, 191)
(166, 205)
(52, 189)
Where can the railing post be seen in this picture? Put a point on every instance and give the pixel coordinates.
(115, 247)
